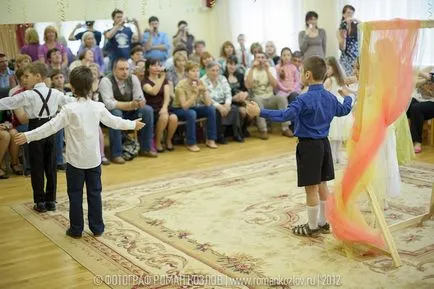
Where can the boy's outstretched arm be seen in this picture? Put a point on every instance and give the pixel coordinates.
(276, 115)
(345, 107)
(118, 123)
(49, 128)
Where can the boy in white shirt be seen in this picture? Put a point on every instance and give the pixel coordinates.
(40, 104)
(81, 120)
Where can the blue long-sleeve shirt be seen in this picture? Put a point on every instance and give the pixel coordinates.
(311, 112)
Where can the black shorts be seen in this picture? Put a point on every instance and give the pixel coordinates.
(314, 161)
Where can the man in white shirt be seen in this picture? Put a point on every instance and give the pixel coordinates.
(261, 80)
(243, 54)
(122, 94)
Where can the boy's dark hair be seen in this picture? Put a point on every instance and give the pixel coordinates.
(285, 49)
(55, 72)
(37, 68)
(49, 52)
(309, 15)
(81, 80)
(116, 11)
(152, 19)
(317, 66)
(136, 49)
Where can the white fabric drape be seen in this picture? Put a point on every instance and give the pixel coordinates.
(264, 20)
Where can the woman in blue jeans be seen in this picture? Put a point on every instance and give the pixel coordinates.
(192, 101)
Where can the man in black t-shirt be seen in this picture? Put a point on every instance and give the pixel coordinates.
(89, 27)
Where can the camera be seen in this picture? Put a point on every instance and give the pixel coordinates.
(432, 76)
(129, 20)
(343, 26)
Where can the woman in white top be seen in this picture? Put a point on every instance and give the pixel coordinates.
(81, 119)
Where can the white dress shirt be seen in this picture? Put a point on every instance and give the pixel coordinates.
(81, 122)
(32, 103)
(106, 90)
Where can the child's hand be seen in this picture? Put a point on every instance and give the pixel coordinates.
(20, 139)
(344, 91)
(252, 109)
(139, 124)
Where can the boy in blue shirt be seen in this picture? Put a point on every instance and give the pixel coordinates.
(312, 113)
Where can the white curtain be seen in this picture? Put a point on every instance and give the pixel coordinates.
(264, 20)
(369, 10)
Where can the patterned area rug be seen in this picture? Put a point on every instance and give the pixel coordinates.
(230, 228)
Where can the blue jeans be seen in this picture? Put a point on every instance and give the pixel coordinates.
(26, 157)
(190, 115)
(145, 134)
(75, 179)
(59, 147)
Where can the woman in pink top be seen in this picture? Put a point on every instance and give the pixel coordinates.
(50, 38)
(287, 74)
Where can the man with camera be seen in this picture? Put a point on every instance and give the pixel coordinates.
(156, 43)
(119, 38)
(89, 27)
(122, 94)
(261, 80)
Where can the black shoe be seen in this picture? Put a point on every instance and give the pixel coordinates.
(238, 139)
(222, 140)
(98, 234)
(304, 230)
(246, 133)
(68, 233)
(61, 167)
(51, 206)
(324, 229)
(40, 207)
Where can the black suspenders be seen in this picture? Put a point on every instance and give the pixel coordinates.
(44, 103)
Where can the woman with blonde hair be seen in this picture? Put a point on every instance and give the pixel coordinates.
(51, 41)
(88, 42)
(227, 50)
(31, 48)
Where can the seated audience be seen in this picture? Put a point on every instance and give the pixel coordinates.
(192, 101)
(256, 47)
(122, 94)
(5, 73)
(262, 81)
(21, 60)
(204, 60)
(199, 49)
(54, 58)
(177, 73)
(96, 77)
(139, 70)
(297, 60)
(244, 56)
(184, 37)
(31, 48)
(422, 106)
(7, 134)
(51, 42)
(180, 49)
(238, 90)
(271, 53)
(84, 59)
(227, 50)
(88, 42)
(136, 55)
(157, 94)
(220, 93)
(286, 76)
